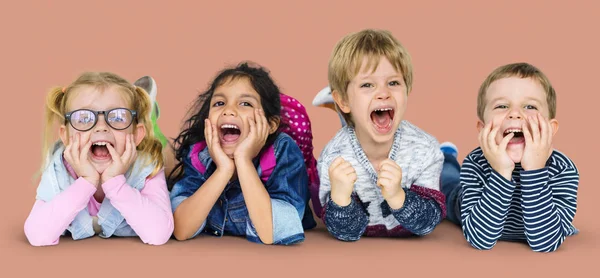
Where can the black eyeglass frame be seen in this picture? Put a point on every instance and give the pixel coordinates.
(104, 113)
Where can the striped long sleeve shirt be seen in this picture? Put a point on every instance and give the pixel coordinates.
(536, 206)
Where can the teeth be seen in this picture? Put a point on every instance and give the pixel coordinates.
(230, 126)
(100, 144)
(513, 130)
(383, 109)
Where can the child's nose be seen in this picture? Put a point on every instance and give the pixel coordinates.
(383, 93)
(228, 111)
(514, 114)
(101, 125)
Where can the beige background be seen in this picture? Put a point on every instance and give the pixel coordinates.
(453, 45)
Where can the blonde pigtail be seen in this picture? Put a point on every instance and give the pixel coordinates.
(53, 114)
(149, 144)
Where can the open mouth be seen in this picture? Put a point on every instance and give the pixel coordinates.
(230, 133)
(518, 135)
(382, 118)
(100, 151)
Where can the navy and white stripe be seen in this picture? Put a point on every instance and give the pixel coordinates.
(536, 206)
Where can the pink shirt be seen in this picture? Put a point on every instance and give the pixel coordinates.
(147, 211)
(93, 205)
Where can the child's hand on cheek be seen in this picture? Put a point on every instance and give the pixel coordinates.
(120, 163)
(223, 162)
(78, 159)
(495, 154)
(257, 136)
(390, 181)
(538, 142)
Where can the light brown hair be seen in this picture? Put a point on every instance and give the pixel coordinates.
(521, 70)
(348, 54)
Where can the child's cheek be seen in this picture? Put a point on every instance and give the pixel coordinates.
(498, 120)
(213, 119)
(530, 112)
(84, 137)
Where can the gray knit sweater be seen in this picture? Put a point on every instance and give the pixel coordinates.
(419, 156)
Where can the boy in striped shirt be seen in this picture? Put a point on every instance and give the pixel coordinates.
(514, 186)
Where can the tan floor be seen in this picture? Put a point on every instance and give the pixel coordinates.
(444, 253)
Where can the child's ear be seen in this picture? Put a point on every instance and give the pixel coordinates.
(274, 124)
(139, 133)
(63, 133)
(480, 125)
(554, 125)
(340, 101)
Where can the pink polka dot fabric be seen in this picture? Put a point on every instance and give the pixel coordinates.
(297, 126)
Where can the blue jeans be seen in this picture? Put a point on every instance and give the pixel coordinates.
(450, 186)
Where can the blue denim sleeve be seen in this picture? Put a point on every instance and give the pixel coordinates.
(345, 223)
(186, 187)
(287, 226)
(288, 188)
(82, 226)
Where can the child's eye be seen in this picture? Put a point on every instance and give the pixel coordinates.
(394, 83)
(245, 103)
(85, 120)
(366, 85)
(117, 119)
(501, 106)
(218, 103)
(528, 107)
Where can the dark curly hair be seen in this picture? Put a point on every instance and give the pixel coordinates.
(193, 128)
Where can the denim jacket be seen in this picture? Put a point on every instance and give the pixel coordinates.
(287, 187)
(56, 179)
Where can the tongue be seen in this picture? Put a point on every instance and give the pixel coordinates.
(381, 119)
(100, 151)
(516, 140)
(230, 137)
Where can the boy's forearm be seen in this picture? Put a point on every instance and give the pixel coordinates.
(418, 215)
(345, 223)
(484, 210)
(543, 222)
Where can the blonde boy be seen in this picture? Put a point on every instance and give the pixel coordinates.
(379, 174)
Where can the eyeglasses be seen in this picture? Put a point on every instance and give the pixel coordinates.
(85, 119)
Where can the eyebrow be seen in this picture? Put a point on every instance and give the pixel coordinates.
(527, 99)
(497, 99)
(241, 96)
(534, 99)
(249, 96)
(89, 107)
(362, 78)
(219, 95)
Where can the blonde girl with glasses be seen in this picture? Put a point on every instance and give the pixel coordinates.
(105, 174)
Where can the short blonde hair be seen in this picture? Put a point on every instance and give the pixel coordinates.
(521, 70)
(348, 54)
(58, 98)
